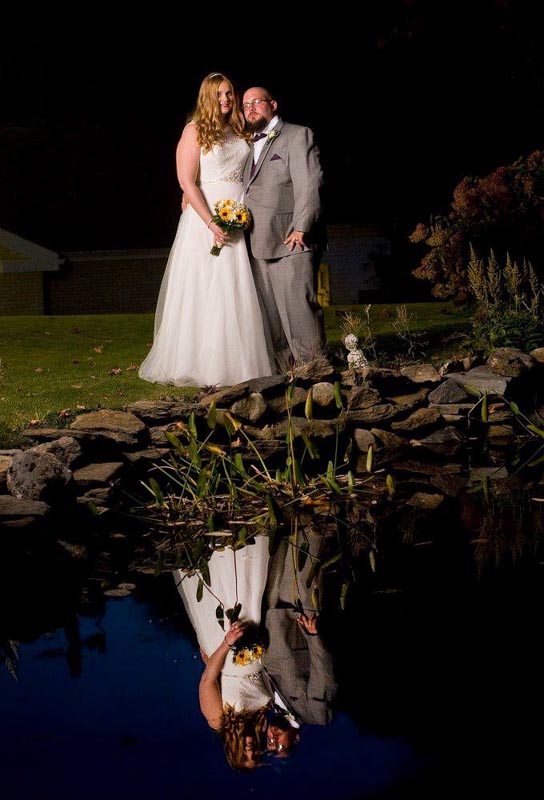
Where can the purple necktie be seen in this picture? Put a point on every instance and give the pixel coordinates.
(256, 138)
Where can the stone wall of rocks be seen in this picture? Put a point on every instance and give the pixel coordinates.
(103, 454)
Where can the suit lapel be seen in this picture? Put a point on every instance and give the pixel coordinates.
(264, 151)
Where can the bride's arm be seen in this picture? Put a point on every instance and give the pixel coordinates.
(187, 164)
(209, 695)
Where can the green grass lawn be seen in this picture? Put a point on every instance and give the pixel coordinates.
(52, 364)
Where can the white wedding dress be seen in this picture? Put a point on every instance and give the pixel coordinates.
(208, 325)
(235, 577)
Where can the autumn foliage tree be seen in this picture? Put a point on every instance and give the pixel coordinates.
(503, 211)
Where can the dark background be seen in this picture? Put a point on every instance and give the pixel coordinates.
(405, 97)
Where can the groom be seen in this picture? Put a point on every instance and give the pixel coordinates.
(283, 181)
(298, 668)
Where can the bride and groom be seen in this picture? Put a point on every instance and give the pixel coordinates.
(222, 320)
(257, 701)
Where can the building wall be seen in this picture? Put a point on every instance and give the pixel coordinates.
(98, 284)
(21, 293)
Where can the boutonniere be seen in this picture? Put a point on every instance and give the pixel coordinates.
(272, 135)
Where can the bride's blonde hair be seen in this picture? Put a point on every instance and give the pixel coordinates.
(207, 115)
(235, 726)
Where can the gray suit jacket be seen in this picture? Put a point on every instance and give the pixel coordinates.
(299, 667)
(284, 192)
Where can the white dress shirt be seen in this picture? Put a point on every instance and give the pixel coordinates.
(258, 146)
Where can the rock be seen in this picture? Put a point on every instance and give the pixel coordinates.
(451, 485)
(98, 474)
(407, 402)
(538, 355)
(5, 462)
(371, 415)
(279, 404)
(316, 370)
(157, 434)
(510, 362)
(418, 420)
(250, 408)
(224, 397)
(76, 551)
(502, 432)
(364, 439)
(481, 379)
(267, 386)
(424, 500)
(153, 412)
(146, 457)
(38, 476)
(118, 426)
(363, 397)
(421, 373)
(323, 394)
(446, 438)
(450, 366)
(16, 513)
(448, 392)
(66, 449)
(389, 441)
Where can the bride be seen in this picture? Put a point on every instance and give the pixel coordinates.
(232, 694)
(208, 325)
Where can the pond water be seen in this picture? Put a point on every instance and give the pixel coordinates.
(437, 657)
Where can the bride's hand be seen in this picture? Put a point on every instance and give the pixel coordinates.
(236, 631)
(221, 237)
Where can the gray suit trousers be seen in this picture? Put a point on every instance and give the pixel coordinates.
(286, 290)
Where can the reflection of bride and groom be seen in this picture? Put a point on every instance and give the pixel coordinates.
(258, 704)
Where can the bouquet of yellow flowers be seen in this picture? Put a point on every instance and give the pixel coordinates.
(245, 654)
(230, 215)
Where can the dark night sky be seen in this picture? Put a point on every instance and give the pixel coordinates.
(422, 94)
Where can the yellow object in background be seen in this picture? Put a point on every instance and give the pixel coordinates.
(323, 286)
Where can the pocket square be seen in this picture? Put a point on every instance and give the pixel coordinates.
(275, 157)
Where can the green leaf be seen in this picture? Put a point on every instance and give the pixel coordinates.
(302, 556)
(332, 560)
(485, 413)
(390, 483)
(514, 408)
(192, 425)
(372, 559)
(239, 464)
(310, 446)
(313, 572)
(351, 481)
(211, 417)
(205, 572)
(536, 430)
(370, 459)
(338, 395)
(343, 594)
(233, 613)
(156, 489)
(175, 442)
(199, 590)
(309, 405)
(289, 393)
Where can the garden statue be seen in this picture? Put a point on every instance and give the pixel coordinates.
(356, 359)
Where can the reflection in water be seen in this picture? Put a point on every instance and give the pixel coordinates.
(436, 698)
(258, 698)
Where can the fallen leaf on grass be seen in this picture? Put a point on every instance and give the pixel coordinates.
(98, 349)
(77, 386)
(115, 371)
(81, 408)
(65, 412)
(33, 421)
(131, 368)
(38, 369)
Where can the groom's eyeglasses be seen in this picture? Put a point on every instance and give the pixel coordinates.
(256, 102)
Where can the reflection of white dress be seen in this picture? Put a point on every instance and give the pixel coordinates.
(208, 324)
(236, 577)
